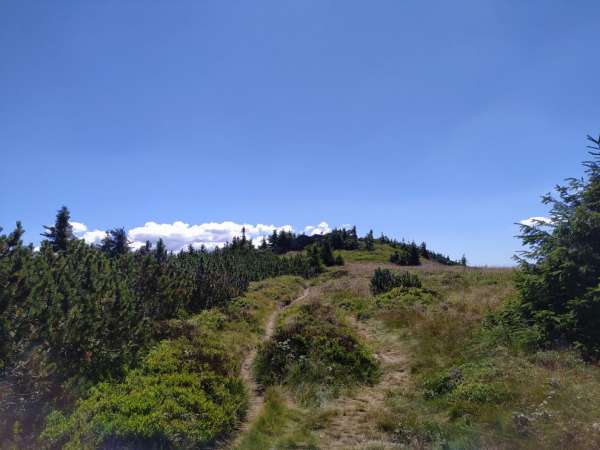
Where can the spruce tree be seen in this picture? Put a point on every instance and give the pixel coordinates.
(369, 241)
(423, 250)
(559, 281)
(327, 254)
(62, 232)
(263, 244)
(314, 259)
(160, 252)
(115, 243)
(413, 255)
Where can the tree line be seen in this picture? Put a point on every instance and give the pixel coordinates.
(75, 314)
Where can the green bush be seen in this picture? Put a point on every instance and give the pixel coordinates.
(441, 384)
(315, 347)
(384, 280)
(184, 395)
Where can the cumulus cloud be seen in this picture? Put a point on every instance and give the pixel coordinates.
(322, 228)
(178, 235)
(78, 227)
(94, 236)
(81, 231)
(536, 221)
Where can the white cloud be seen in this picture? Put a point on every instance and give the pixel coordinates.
(81, 231)
(536, 221)
(178, 235)
(93, 237)
(322, 228)
(78, 227)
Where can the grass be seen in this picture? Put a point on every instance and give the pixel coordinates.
(279, 426)
(471, 382)
(381, 253)
(471, 390)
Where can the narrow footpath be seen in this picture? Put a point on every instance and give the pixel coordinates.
(257, 397)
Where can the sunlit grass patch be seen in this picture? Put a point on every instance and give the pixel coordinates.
(278, 426)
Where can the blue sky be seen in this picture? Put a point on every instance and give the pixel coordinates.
(436, 121)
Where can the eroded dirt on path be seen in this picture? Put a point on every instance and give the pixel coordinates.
(256, 392)
(352, 418)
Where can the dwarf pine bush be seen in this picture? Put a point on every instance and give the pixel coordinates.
(385, 280)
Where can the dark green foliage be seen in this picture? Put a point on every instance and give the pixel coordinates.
(160, 252)
(407, 256)
(560, 273)
(62, 232)
(185, 394)
(339, 239)
(315, 347)
(314, 258)
(413, 255)
(339, 260)
(115, 243)
(13, 255)
(369, 241)
(423, 250)
(72, 315)
(342, 239)
(327, 254)
(384, 280)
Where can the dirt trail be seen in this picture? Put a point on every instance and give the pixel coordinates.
(352, 423)
(257, 397)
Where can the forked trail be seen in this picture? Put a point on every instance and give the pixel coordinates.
(257, 397)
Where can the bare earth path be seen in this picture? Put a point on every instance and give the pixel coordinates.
(257, 397)
(353, 418)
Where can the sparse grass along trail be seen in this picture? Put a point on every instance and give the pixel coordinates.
(256, 392)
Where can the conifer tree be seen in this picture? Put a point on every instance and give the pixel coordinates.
(352, 239)
(327, 254)
(115, 243)
(369, 241)
(423, 250)
(62, 232)
(413, 255)
(263, 244)
(160, 252)
(314, 259)
(559, 279)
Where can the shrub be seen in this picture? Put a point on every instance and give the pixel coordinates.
(384, 280)
(315, 347)
(184, 395)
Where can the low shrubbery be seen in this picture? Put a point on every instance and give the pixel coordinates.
(186, 392)
(384, 280)
(315, 347)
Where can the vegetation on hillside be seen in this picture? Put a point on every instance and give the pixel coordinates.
(186, 392)
(315, 351)
(106, 347)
